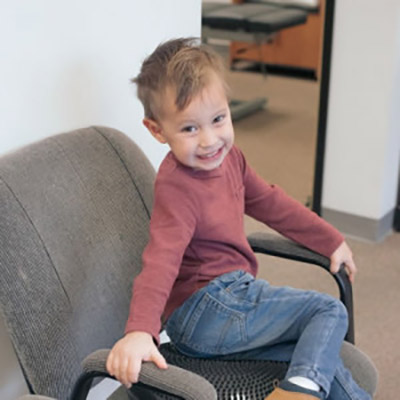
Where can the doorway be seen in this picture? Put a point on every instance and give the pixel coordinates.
(285, 141)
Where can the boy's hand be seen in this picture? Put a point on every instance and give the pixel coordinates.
(343, 255)
(125, 359)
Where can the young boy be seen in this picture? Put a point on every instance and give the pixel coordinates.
(198, 268)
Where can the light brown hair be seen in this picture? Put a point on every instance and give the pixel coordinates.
(183, 64)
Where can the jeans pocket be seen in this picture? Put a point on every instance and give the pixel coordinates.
(245, 291)
(213, 329)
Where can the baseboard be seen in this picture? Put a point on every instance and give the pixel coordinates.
(360, 227)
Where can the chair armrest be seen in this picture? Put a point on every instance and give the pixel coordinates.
(278, 246)
(174, 380)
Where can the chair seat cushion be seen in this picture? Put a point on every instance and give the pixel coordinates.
(232, 379)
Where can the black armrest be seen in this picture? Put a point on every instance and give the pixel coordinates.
(274, 245)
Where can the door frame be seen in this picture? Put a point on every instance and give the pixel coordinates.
(323, 107)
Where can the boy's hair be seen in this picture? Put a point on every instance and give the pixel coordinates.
(184, 65)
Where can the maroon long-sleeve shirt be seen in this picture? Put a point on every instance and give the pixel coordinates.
(197, 233)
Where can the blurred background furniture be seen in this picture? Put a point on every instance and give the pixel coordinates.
(254, 23)
(296, 48)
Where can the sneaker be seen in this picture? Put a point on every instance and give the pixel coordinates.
(281, 394)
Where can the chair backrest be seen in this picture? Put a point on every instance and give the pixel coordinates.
(74, 215)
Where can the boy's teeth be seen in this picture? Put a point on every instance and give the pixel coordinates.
(209, 155)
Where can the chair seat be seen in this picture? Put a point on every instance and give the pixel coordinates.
(238, 379)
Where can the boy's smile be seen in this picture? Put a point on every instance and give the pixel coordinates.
(200, 135)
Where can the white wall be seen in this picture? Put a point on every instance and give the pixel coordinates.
(67, 64)
(363, 133)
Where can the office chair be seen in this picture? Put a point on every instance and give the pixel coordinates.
(74, 219)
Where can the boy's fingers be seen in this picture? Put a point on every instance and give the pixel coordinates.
(109, 363)
(131, 371)
(350, 274)
(125, 365)
(135, 366)
(352, 266)
(123, 372)
(114, 366)
(351, 270)
(349, 266)
(159, 360)
(334, 268)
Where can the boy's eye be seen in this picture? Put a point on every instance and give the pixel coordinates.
(219, 118)
(189, 129)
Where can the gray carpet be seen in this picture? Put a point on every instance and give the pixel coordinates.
(280, 143)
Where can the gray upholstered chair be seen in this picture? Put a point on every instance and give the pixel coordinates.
(74, 216)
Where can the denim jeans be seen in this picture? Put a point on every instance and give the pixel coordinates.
(237, 316)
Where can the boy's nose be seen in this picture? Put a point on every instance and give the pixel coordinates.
(207, 138)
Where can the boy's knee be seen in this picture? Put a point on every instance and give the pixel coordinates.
(338, 310)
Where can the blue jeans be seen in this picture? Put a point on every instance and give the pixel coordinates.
(240, 317)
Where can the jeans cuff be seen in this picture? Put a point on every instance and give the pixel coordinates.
(312, 374)
(291, 387)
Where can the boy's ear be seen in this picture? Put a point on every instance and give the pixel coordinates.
(155, 129)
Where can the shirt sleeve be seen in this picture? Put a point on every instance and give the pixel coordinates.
(271, 205)
(171, 229)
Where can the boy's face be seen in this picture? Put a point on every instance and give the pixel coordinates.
(201, 135)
